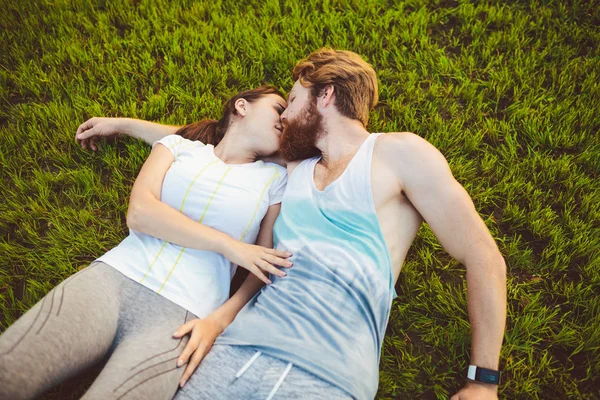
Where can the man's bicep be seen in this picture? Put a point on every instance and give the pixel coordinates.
(450, 213)
(444, 204)
(152, 174)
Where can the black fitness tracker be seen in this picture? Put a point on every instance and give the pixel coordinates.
(483, 375)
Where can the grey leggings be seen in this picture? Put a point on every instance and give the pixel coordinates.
(95, 313)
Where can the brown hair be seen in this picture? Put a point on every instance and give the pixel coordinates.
(211, 131)
(354, 80)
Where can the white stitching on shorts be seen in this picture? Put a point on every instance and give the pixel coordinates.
(280, 381)
(248, 364)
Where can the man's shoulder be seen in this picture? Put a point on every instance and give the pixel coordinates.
(397, 147)
(412, 159)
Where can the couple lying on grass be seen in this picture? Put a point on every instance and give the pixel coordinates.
(324, 240)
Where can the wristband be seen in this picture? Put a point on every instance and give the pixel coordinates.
(483, 375)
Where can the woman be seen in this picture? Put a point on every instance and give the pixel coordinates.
(195, 210)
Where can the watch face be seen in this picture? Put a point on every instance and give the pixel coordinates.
(488, 376)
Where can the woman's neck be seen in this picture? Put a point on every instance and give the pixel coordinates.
(234, 149)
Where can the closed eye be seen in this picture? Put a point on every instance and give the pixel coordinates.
(280, 108)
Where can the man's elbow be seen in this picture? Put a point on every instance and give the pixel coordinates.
(500, 264)
(489, 259)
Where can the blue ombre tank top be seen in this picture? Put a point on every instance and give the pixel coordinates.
(329, 314)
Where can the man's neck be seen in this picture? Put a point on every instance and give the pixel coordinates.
(341, 140)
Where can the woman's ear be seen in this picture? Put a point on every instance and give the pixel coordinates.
(241, 106)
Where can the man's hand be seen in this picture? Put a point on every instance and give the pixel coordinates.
(477, 391)
(203, 335)
(88, 133)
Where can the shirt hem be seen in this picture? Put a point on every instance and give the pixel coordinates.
(346, 385)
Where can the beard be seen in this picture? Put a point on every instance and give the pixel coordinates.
(299, 138)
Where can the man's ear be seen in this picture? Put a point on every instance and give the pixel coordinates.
(241, 106)
(327, 95)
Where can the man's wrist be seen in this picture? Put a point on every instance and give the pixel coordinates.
(489, 386)
(483, 375)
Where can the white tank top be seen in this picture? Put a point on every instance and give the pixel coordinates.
(232, 198)
(329, 314)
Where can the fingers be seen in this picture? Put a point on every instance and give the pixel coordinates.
(194, 362)
(83, 134)
(256, 271)
(278, 253)
(185, 328)
(265, 266)
(190, 348)
(277, 261)
(86, 125)
(90, 132)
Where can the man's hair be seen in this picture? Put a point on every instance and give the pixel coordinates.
(354, 80)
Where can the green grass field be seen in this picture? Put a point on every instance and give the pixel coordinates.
(508, 91)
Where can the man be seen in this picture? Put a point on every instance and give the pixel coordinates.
(353, 206)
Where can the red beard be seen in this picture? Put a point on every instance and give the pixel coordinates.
(299, 138)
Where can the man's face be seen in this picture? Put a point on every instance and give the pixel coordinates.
(302, 125)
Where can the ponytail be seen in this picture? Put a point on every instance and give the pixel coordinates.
(207, 131)
(211, 131)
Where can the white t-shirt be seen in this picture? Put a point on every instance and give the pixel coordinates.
(232, 198)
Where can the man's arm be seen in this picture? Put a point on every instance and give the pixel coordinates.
(428, 183)
(94, 128)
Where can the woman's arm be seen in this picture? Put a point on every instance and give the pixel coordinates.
(94, 128)
(205, 331)
(228, 311)
(149, 215)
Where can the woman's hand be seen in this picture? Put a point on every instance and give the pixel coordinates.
(202, 336)
(96, 127)
(257, 259)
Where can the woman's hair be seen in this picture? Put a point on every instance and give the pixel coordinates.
(210, 131)
(354, 80)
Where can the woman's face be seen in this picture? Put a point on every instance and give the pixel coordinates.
(263, 123)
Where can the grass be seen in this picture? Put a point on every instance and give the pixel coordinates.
(508, 91)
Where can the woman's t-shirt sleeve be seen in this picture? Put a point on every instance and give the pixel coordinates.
(278, 186)
(173, 143)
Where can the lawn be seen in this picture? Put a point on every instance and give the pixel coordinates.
(508, 91)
